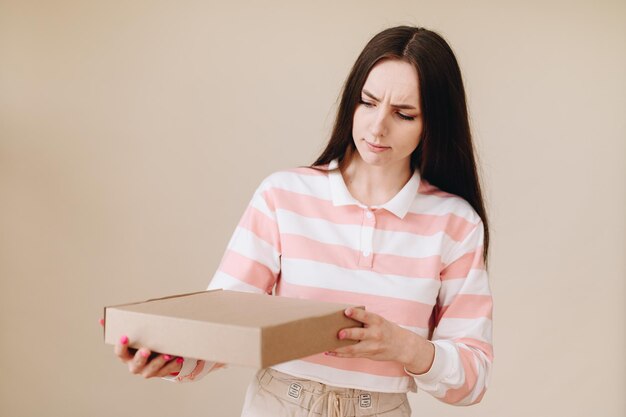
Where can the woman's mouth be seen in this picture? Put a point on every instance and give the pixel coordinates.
(376, 148)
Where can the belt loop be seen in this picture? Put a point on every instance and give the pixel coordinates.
(264, 377)
(378, 399)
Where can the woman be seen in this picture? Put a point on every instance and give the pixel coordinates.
(390, 216)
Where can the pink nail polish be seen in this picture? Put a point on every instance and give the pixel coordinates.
(180, 360)
(167, 357)
(124, 340)
(101, 321)
(342, 335)
(348, 312)
(144, 353)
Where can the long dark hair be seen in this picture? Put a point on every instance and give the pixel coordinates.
(445, 154)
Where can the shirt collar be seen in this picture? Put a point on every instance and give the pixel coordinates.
(399, 205)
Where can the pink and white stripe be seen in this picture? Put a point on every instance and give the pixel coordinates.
(416, 260)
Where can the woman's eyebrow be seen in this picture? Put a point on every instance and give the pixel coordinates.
(397, 106)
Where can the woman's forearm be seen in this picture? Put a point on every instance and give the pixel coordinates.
(418, 353)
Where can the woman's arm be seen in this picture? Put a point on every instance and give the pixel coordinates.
(463, 328)
(455, 365)
(251, 263)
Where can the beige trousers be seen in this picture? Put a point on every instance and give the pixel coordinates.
(275, 394)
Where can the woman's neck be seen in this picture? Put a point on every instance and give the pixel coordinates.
(373, 185)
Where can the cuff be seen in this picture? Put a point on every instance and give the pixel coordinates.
(188, 366)
(442, 366)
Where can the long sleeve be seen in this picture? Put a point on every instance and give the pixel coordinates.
(251, 263)
(193, 370)
(252, 259)
(462, 333)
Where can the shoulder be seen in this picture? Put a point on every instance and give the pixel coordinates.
(298, 176)
(438, 202)
(455, 217)
(301, 184)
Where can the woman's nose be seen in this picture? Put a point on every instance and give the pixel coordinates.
(379, 124)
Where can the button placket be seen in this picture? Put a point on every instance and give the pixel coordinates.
(367, 236)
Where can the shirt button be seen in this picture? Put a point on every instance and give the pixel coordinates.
(369, 214)
(366, 253)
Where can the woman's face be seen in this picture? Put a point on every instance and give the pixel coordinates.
(388, 121)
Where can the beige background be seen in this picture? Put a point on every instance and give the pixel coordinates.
(132, 135)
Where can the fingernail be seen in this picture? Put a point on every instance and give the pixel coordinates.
(174, 373)
(180, 360)
(348, 312)
(342, 334)
(167, 357)
(326, 353)
(101, 321)
(144, 353)
(124, 340)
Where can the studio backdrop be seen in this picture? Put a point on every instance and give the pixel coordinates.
(133, 134)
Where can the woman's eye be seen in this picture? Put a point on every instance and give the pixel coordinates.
(402, 116)
(405, 117)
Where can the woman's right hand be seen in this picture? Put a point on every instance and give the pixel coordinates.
(145, 363)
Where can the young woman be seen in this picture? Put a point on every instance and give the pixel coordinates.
(390, 216)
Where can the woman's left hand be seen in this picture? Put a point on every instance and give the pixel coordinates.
(383, 340)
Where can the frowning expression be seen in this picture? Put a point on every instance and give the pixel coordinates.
(388, 122)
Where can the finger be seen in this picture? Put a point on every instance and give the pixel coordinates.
(219, 365)
(363, 316)
(153, 367)
(353, 333)
(136, 365)
(358, 350)
(172, 367)
(121, 350)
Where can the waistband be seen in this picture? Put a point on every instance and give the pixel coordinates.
(316, 396)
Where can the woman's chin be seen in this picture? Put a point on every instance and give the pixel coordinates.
(374, 159)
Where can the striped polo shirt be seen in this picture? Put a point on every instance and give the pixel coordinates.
(415, 260)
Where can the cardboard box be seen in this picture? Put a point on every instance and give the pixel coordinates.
(231, 327)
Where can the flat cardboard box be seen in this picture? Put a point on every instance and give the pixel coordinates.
(231, 327)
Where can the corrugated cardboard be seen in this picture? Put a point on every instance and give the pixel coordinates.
(232, 327)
